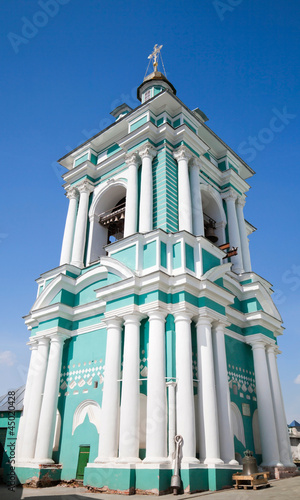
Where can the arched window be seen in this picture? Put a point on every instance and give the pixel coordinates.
(107, 216)
(113, 220)
(214, 217)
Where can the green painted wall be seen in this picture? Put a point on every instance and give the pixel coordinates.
(126, 256)
(163, 254)
(177, 255)
(189, 257)
(138, 124)
(209, 261)
(149, 255)
(241, 373)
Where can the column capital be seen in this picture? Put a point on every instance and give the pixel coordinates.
(157, 314)
(229, 195)
(240, 201)
(133, 318)
(195, 162)
(85, 187)
(147, 151)
(183, 316)
(204, 321)
(33, 345)
(43, 341)
(273, 348)
(115, 321)
(132, 159)
(182, 153)
(72, 193)
(257, 344)
(219, 326)
(58, 338)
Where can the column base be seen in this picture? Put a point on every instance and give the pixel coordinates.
(157, 460)
(128, 460)
(213, 461)
(190, 460)
(232, 462)
(77, 264)
(42, 461)
(105, 460)
(38, 476)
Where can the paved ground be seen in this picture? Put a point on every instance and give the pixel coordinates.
(284, 489)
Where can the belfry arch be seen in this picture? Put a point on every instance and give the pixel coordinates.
(213, 213)
(110, 199)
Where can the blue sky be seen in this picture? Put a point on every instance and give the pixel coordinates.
(67, 63)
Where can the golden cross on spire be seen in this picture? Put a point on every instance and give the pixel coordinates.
(154, 55)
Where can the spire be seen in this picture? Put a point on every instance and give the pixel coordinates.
(159, 81)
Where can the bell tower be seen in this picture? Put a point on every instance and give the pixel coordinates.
(154, 324)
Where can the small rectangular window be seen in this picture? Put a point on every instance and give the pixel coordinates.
(95, 385)
(147, 95)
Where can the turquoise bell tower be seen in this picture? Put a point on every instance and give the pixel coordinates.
(154, 324)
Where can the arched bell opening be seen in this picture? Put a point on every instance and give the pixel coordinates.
(213, 215)
(107, 216)
(113, 219)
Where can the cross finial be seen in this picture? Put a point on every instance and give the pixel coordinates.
(154, 55)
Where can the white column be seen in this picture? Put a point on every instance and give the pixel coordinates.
(182, 155)
(233, 230)
(227, 451)
(266, 419)
(146, 199)
(243, 235)
(130, 401)
(44, 442)
(207, 398)
(81, 224)
(156, 427)
(131, 209)
(285, 451)
(172, 418)
(30, 379)
(186, 426)
(66, 251)
(198, 223)
(109, 435)
(36, 389)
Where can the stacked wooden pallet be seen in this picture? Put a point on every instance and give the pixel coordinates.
(255, 480)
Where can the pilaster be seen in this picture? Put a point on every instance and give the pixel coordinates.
(186, 426)
(183, 155)
(147, 153)
(66, 251)
(81, 224)
(266, 418)
(131, 209)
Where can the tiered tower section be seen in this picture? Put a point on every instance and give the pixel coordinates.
(149, 327)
